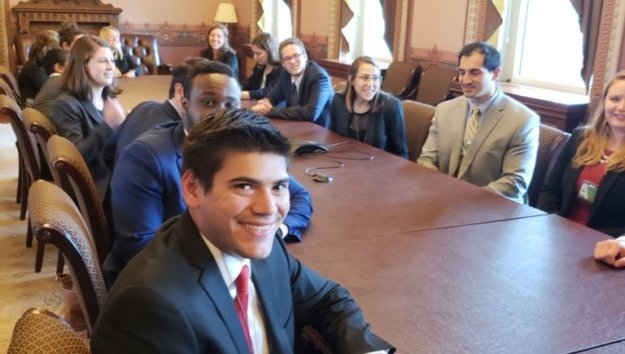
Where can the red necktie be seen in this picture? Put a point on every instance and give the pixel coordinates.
(240, 302)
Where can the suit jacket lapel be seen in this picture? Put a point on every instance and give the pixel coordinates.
(95, 116)
(178, 136)
(456, 135)
(604, 188)
(487, 123)
(211, 280)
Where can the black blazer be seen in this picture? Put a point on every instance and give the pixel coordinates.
(386, 130)
(127, 63)
(171, 298)
(315, 96)
(229, 58)
(31, 79)
(607, 213)
(253, 83)
(82, 123)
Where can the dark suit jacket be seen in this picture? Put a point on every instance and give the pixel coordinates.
(315, 96)
(607, 213)
(253, 83)
(229, 58)
(83, 124)
(50, 91)
(386, 130)
(145, 191)
(144, 116)
(127, 63)
(30, 79)
(172, 299)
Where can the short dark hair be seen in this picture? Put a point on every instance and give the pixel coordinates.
(68, 31)
(231, 130)
(208, 67)
(180, 72)
(492, 58)
(54, 56)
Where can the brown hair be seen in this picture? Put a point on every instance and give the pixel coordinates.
(266, 42)
(75, 79)
(350, 95)
(596, 135)
(42, 45)
(293, 41)
(225, 48)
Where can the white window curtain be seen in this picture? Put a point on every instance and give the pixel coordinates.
(365, 31)
(274, 19)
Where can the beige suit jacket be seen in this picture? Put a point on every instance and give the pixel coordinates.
(502, 155)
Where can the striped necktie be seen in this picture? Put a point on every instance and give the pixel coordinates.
(470, 130)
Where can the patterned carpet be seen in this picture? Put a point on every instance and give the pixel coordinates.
(20, 287)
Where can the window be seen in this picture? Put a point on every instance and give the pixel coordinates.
(365, 31)
(273, 19)
(541, 45)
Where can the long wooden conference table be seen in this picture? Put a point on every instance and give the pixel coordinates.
(441, 266)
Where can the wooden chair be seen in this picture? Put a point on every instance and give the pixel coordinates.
(397, 77)
(56, 220)
(70, 172)
(7, 76)
(6, 90)
(418, 119)
(144, 47)
(550, 145)
(41, 331)
(22, 43)
(434, 86)
(42, 129)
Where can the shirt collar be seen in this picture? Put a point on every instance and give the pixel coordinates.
(484, 106)
(229, 265)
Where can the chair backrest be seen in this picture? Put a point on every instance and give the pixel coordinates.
(418, 119)
(22, 43)
(551, 142)
(41, 331)
(7, 76)
(42, 129)
(340, 86)
(434, 85)
(11, 112)
(398, 76)
(56, 220)
(71, 173)
(144, 47)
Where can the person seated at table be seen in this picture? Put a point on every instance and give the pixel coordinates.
(145, 188)
(483, 137)
(219, 48)
(125, 64)
(304, 90)
(87, 112)
(365, 113)
(267, 69)
(217, 279)
(68, 34)
(54, 63)
(149, 114)
(32, 76)
(587, 182)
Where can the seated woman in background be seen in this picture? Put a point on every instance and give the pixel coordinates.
(87, 112)
(32, 76)
(267, 69)
(124, 63)
(587, 183)
(54, 63)
(219, 49)
(367, 114)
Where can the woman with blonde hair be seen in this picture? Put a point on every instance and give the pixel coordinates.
(365, 113)
(219, 49)
(87, 112)
(587, 183)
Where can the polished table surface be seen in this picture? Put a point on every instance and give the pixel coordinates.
(386, 195)
(517, 286)
(142, 88)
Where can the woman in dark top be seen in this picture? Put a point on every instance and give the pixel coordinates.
(33, 76)
(587, 183)
(219, 49)
(365, 113)
(87, 113)
(267, 69)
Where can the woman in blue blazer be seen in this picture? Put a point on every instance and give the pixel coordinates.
(267, 69)
(365, 113)
(587, 183)
(219, 49)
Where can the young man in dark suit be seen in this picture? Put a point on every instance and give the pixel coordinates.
(217, 279)
(304, 89)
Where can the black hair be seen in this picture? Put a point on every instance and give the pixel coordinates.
(492, 58)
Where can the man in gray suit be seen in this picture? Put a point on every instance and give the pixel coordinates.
(483, 137)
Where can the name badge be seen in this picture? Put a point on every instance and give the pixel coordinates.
(588, 191)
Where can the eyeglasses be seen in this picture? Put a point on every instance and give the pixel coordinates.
(365, 78)
(295, 56)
